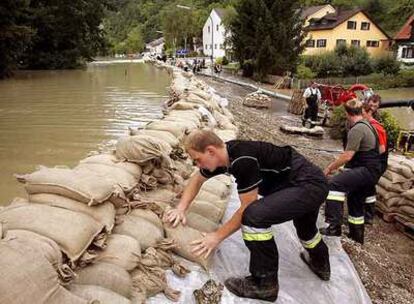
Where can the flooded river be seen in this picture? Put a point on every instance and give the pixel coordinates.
(405, 116)
(56, 117)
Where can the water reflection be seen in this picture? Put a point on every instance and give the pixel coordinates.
(56, 117)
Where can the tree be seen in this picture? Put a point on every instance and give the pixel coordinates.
(267, 34)
(15, 34)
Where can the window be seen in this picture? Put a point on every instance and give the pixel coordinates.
(206, 46)
(208, 28)
(351, 25)
(217, 27)
(215, 46)
(365, 26)
(340, 42)
(310, 43)
(408, 52)
(321, 43)
(356, 43)
(221, 46)
(372, 43)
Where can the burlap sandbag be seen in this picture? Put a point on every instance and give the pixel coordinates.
(187, 123)
(72, 231)
(103, 213)
(184, 168)
(110, 159)
(119, 176)
(409, 194)
(394, 177)
(207, 209)
(84, 187)
(178, 130)
(224, 122)
(182, 105)
(401, 169)
(385, 194)
(27, 277)
(158, 195)
(388, 185)
(216, 190)
(147, 215)
(151, 281)
(183, 236)
(121, 250)
(405, 201)
(145, 232)
(407, 211)
(392, 202)
(93, 292)
(200, 222)
(164, 177)
(164, 135)
(109, 276)
(142, 148)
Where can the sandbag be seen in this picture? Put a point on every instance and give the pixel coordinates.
(72, 231)
(110, 159)
(163, 135)
(407, 211)
(119, 176)
(84, 187)
(409, 194)
(145, 232)
(158, 195)
(164, 177)
(103, 295)
(148, 215)
(226, 135)
(184, 168)
(151, 281)
(392, 202)
(401, 169)
(182, 105)
(42, 245)
(388, 185)
(22, 266)
(187, 123)
(103, 213)
(183, 236)
(178, 130)
(200, 222)
(142, 148)
(121, 250)
(109, 276)
(394, 177)
(207, 209)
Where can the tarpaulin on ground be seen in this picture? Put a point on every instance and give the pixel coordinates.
(297, 284)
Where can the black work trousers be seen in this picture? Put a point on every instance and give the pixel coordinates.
(311, 112)
(353, 185)
(299, 203)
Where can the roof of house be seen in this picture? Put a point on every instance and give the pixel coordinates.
(331, 21)
(406, 31)
(156, 42)
(311, 10)
(221, 12)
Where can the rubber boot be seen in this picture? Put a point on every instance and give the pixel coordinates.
(369, 211)
(266, 288)
(356, 232)
(318, 260)
(331, 230)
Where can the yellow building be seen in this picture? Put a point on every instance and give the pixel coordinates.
(350, 27)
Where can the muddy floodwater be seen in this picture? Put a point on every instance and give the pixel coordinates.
(56, 117)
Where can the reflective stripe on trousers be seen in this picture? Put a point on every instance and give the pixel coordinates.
(310, 244)
(370, 199)
(356, 220)
(336, 196)
(256, 234)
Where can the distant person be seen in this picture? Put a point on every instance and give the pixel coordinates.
(312, 96)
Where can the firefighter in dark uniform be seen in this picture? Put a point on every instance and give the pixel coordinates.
(291, 187)
(363, 168)
(312, 96)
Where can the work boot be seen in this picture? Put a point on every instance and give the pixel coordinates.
(369, 211)
(331, 230)
(251, 287)
(318, 260)
(356, 232)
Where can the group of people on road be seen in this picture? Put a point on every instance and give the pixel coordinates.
(277, 184)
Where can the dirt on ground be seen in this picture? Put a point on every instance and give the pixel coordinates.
(385, 262)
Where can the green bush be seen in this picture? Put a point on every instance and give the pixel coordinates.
(193, 54)
(387, 65)
(391, 125)
(303, 72)
(225, 61)
(337, 121)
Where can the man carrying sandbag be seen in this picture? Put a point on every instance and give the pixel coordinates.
(291, 187)
(362, 171)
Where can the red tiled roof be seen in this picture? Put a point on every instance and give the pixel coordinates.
(406, 30)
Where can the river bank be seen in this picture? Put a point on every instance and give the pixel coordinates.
(385, 262)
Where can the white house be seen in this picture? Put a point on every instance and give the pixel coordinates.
(214, 34)
(405, 42)
(155, 47)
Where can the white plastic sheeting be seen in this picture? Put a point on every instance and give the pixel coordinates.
(297, 283)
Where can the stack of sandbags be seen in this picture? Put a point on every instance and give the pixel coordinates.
(395, 189)
(257, 100)
(204, 215)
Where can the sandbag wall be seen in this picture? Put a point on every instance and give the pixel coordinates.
(94, 232)
(396, 192)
